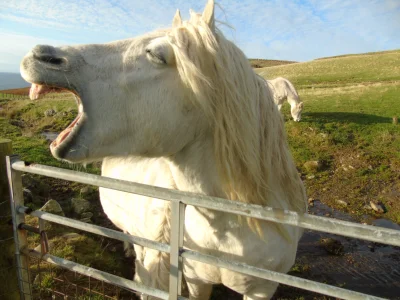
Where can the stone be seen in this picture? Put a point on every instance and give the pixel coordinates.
(312, 166)
(28, 197)
(71, 235)
(332, 246)
(80, 206)
(49, 112)
(87, 191)
(53, 207)
(310, 176)
(36, 186)
(341, 202)
(367, 207)
(323, 135)
(17, 123)
(86, 215)
(86, 220)
(37, 278)
(377, 207)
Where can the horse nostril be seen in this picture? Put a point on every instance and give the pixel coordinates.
(47, 54)
(50, 59)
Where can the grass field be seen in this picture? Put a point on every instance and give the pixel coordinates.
(347, 126)
(341, 71)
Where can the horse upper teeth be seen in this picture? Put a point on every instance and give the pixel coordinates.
(37, 90)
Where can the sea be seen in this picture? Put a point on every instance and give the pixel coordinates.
(12, 81)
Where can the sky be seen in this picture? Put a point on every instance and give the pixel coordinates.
(296, 30)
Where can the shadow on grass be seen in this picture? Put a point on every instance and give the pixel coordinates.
(345, 117)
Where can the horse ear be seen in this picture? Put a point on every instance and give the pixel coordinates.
(177, 21)
(208, 14)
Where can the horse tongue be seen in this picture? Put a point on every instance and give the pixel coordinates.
(36, 90)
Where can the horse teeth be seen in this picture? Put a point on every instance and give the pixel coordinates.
(37, 90)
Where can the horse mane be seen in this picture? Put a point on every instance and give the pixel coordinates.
(249, 135)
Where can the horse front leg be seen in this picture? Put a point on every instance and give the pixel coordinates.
(151, 269)
(263, 291)
(199, 291)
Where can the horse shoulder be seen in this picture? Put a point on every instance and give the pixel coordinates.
(130, 212)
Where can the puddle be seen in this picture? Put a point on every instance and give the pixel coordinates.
(385, 223)
(50, 136)
(365, 267)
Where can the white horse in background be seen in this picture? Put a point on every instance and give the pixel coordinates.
(182, 109)
(283, 90)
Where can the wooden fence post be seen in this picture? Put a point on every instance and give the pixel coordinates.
(5, 149)
(8, 270)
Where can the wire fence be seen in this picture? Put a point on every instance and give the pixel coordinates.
(53, 282)
(88, 283)
(12, 96)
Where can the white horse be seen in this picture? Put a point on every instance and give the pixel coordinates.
(181, 109)
(283, 90)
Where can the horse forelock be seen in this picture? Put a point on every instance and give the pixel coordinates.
(250, 142)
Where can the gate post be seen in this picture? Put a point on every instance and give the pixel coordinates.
(20, 236)
(176, 242)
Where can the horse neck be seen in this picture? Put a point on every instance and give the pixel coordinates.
(292, 96)
(194, 168)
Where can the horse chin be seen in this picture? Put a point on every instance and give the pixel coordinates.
(66, 146)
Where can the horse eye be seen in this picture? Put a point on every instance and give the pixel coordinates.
(156, 56)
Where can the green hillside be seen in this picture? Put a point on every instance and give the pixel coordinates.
(339, 71)
(350, 107)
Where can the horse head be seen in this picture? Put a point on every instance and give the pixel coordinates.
(131, 98)
(296, 111)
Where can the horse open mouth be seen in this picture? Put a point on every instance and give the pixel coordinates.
(36, 92)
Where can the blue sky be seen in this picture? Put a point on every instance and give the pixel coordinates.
(298, 30)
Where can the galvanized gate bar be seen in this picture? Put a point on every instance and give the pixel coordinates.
(177, 231)
(100, 275)
(344, 228)
(20, 236)
(99, 230)
(278, 277)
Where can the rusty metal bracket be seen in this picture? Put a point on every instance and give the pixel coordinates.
(44, 242)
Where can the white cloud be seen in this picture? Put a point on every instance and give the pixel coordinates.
(277, 29)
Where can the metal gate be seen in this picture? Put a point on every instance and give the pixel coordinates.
(178, 199)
